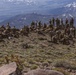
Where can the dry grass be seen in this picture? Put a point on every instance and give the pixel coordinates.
(39, 51)
(62, 70)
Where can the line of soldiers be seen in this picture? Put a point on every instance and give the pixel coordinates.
(60, 31)
(7, 31)
(58, 22)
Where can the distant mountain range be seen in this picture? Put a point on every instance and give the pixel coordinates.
(65, 11)
(15, 7)
(26, 19)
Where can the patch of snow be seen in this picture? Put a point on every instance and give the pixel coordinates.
(64, 15)
(67, 15)
(28, 2)
(23, 18)
(71, 5)
(70, 15)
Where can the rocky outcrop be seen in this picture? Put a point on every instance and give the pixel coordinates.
(8, 68)
(43, 72)
(11, 69)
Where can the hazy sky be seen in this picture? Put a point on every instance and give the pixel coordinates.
(17, 6)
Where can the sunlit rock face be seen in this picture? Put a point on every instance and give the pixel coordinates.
(43, 72)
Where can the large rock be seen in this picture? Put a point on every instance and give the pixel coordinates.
(8, 68)
(43, 72)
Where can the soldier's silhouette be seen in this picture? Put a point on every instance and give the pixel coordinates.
(62, 22)
(57, 22)
(71, 22)
(66, 21)
(53, 21)
(8, 26)
(50, 22)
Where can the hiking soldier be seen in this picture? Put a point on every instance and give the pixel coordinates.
(57, 22)
(53, 21)
(66, 21)
(50, 22)
(71, 22)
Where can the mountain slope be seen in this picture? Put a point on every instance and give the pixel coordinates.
(15, 7)
(26, 19)
(69, 9)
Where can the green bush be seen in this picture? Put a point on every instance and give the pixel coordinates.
(34, 67)
(62, 71)
(64, 64)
